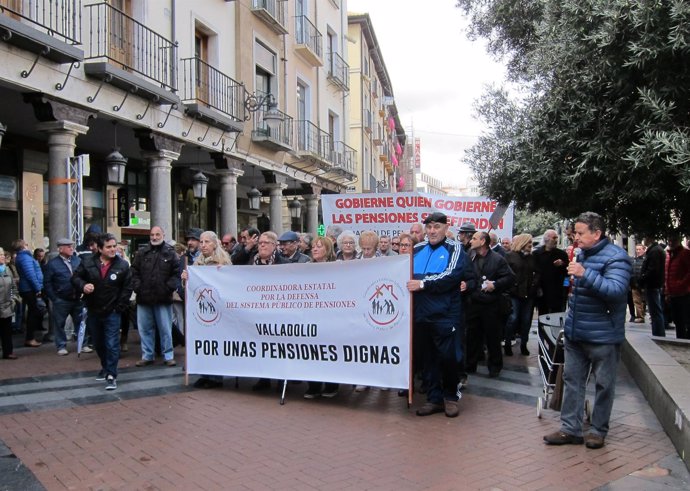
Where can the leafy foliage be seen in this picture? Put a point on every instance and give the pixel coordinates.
(535, 223)
(603, 121)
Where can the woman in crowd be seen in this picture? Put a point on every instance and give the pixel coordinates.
(347, 246)
(322, 252)
(407, 243)
(7, 300)
(212, 254)
(305, 241)
(523, 292)
(369, 244)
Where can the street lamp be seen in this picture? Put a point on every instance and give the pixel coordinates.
(272, 116)
(199, 184)
(295, 212)
(254, 196)
(116, 164)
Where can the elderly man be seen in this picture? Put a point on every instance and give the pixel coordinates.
(441, 268)
(385, 246)
(155, 276)
(395, 243)
(417, 231)
(228, 242)
(496, 245)
(64, 298)
(552, 264)
(266, 255)
(289, 246)
(594, 331)
(678, 284)
(652, 280)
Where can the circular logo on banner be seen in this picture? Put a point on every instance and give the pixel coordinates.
(382, 299)
(206, 306)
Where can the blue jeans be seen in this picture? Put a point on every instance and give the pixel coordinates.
(520, 319)
(603, 361)
(59, 312)
(105, 333)
(656, 311)
(148, 318)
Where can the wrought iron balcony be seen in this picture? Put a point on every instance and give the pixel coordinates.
(280, 138)
(128, 46)
(366, 120)
(344, 159)
(51, 28)
(272, 12)
(314, 142)
(308, 40)
(204, 87)
(339, 71)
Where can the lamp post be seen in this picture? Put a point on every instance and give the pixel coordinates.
(199, 184)
(295, 208)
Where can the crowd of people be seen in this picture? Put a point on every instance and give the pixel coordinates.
(474, 295)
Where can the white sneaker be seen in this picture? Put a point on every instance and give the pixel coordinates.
(87, 349)
(62, 352)
(361, 388)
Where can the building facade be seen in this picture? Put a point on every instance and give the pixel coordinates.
(194, 107)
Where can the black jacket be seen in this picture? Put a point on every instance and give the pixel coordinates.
(652, 274)
(526, 274)
(495, 268)
(110, 294)
(155, 274)
(243, 257)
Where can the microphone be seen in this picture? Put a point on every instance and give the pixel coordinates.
(576, 252)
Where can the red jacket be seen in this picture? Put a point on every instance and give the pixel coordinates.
(678, 272)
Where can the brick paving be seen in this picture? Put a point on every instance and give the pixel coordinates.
(154, 433)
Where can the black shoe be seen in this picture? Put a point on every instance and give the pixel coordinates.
(262, 384)
(508, 349)
(561, 438)
(402, 393)
(523, 350)
(494, 374)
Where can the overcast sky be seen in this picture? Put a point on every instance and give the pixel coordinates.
(437, 74)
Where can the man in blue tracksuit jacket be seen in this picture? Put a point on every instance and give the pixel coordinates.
(594, 331)
(441, 270)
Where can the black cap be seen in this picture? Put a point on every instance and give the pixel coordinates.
(193, 233)
(436, 217)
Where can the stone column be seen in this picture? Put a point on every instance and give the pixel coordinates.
(313, 209)
(62, 140)
(63, 124)
(160, 188)
(276, 206)
(229, 171)
(159, 152)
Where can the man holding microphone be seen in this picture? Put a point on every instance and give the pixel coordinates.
(594, 330)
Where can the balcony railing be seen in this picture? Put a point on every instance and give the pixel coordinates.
(58, 18)
(366, 120)
(282, 135)
(131, 45)
(206, 84)
(306, 33)
(311, 139)
(273, 12)
(339, 71)
(344, 157)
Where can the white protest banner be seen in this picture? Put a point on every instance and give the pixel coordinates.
(346, 322)
(394, 213)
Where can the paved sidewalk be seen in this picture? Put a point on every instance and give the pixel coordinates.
(64, 431)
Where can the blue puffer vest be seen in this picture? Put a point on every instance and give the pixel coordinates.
(597, 306)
